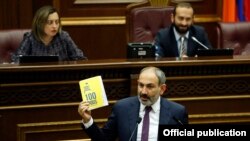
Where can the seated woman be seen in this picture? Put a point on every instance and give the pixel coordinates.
(48, 38)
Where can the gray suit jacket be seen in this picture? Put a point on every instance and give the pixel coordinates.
(124, 117)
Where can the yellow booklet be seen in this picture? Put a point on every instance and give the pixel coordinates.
(92, 90)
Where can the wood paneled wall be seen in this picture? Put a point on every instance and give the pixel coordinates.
(39, 103)
(98, 26)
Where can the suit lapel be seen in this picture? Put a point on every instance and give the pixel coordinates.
(133, 115)
(164, 112)
(191, 45)
(174, 45)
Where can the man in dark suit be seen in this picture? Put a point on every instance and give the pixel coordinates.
(168, 40)
(128, 112)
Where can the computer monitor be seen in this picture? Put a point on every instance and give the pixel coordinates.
(215, 52)
(37, 59)
(140, 50)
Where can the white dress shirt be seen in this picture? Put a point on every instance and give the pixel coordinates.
(154, 116)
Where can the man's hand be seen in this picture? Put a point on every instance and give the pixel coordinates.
(84, 111)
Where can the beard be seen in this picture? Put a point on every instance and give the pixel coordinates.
(180, 29)
(150, 100)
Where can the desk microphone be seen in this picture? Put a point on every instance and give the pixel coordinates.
(178, 121)
(137, 122)
(193, 38)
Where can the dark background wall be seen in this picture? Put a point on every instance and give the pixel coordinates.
(98, 28)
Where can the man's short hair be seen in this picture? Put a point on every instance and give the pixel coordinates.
(183, 4)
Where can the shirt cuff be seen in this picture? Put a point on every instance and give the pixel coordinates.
(88, 124)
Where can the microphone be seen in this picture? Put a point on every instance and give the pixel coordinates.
(137, 122)
(193, 38)
(178, 121)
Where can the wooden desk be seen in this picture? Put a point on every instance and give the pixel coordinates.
(40, 101)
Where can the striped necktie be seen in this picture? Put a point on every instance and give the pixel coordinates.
(182, 47)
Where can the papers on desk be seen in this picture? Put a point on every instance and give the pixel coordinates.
(92, 90)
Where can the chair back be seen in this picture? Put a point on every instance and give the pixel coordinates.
(9, 42)
(144, 22)
(234, 35)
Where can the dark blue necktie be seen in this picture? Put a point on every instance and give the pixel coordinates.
(145, 126)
